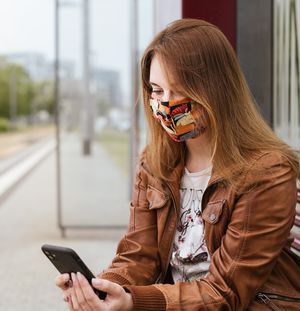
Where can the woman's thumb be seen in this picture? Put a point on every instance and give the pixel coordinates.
(106, 286)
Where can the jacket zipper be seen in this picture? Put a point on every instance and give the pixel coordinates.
(163, 275)
(267, 298)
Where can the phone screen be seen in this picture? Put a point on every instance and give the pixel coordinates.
(66, 260)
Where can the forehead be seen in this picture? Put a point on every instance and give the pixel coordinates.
(159, 76)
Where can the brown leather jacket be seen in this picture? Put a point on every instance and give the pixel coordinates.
(247, 235)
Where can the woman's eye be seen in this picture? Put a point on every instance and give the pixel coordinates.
(157, 91)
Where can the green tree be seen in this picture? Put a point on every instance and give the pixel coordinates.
(44, 96)
(14, 77)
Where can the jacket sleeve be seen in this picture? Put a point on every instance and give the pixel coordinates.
(137, 254)
(257, 232)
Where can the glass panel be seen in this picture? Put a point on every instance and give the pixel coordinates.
(287, 71)
(94, 113)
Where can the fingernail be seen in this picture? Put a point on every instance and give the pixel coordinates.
(79, 275)
(96, 281)
(65, 277)
(66, 299)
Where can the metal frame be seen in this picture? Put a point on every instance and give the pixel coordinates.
(134, 131)
(57, 120)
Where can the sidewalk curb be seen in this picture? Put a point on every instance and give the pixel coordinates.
(15, 174)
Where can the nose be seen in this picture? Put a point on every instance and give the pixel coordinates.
(166, 96)
(169, 95)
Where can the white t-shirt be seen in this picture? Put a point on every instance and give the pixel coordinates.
(190, 258)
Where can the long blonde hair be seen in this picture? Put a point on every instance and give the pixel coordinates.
(199, 58)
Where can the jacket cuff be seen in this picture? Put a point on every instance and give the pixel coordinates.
(114, 277)
(146, 298)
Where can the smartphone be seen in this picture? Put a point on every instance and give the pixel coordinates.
(66, 261)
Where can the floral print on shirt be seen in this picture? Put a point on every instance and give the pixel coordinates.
(190, 258)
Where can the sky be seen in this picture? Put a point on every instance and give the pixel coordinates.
(28, 26)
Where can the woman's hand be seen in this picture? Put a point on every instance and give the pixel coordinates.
(64, 282)
(82, 297)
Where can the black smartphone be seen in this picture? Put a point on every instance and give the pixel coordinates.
(66, 261)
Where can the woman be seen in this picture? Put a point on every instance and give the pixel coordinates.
(214, 195)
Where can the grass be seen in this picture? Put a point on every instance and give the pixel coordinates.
(116, 144)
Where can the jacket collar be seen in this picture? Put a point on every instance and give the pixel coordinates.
(174, 184)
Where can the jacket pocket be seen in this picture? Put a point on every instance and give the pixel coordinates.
(155, 197)
(158, 204)
(213, 211)
(215, 217)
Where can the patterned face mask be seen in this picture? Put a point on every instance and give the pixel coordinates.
(177, 118)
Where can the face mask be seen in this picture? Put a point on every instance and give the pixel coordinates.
(177, 118)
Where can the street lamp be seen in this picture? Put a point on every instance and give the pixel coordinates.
(88, 122)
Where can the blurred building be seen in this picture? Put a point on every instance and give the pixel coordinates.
(35, 64)
(106, 85)
(39, 67)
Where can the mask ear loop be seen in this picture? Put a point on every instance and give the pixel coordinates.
(154, 106)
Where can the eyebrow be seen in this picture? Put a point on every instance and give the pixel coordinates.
(152, 83)
(173, 85)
